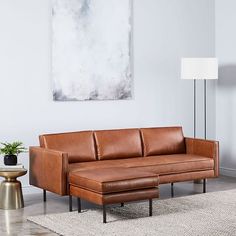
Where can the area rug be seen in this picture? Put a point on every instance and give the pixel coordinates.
(210, 214)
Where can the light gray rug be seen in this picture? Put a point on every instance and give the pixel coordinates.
(207, 214)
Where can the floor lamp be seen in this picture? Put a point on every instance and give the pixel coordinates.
(199, 69)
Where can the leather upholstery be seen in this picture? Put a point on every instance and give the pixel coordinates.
(117, 144)
(48, 169)
(205, 148)
(114, 185)
(79, 145)
(112, 198)
(186, 176)
(113, 180)
(166, 152)
(163, 141)
(165, 164)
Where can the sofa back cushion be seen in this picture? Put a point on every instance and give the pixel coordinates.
(118, 144)
(163, 141)
(80, 146)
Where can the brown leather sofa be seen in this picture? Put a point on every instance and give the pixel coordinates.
(163, 151)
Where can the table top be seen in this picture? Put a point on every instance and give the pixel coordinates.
(12, 173)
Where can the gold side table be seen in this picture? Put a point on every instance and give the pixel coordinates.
(10, 189)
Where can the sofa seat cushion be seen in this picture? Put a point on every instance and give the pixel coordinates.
(113, 180)
(162, 165)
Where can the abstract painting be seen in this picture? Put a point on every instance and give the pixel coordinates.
(91, 50)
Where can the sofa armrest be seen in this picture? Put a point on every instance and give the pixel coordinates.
(48, 169)
(205, 148)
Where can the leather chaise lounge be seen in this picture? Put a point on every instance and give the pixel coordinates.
(113, 185)
(163, 151)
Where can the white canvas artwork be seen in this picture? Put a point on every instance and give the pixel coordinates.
(91, 50)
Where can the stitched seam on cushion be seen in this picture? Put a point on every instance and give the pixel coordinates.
(182, 172)
(181, 162)
(173, 172)
(138, 178)
(120, 191)
(99, 182)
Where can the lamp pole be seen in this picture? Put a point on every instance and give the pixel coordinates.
(205, 108)
(194, 108)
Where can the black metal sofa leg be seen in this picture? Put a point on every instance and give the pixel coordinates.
(172, 189)
(44, 195)
(204, 185)
(79, 204)
(150, 207)
(104, 214)
(70, 203)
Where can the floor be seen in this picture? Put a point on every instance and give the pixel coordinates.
(13, 222)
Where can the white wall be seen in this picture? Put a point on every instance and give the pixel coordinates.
(226, 86)
(164, 31)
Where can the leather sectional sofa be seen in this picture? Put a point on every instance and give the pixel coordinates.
(162, 151)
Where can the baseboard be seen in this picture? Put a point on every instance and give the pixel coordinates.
(28, 189)
(228, 171)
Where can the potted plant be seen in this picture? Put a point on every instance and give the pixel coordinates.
(10, 151)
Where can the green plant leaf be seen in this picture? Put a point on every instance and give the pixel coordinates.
(13, 148)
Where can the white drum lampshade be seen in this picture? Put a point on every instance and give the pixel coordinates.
(199, 68)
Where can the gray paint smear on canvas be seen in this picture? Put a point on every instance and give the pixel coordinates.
(91, 50)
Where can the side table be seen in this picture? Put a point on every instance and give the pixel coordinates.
(10, 189)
